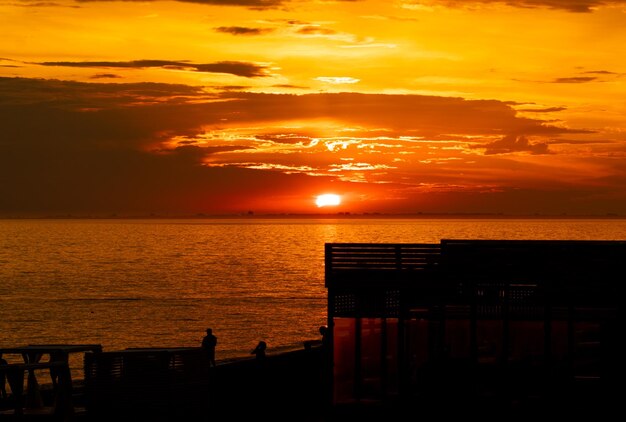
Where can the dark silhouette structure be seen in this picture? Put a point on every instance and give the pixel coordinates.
(209, 342)
(157, 384)
(484, 325)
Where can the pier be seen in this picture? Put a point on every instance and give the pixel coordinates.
(484, 325)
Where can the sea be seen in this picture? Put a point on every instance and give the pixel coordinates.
(161, 282)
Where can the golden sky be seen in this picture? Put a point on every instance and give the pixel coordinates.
(225, 106)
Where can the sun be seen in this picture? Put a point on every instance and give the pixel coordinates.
(327, 200)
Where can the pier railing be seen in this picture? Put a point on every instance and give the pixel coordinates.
(570, 268)
(147, 383)
(359, 261)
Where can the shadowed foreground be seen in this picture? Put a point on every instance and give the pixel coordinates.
(290, 386)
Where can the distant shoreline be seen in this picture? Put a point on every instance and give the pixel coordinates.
(339, 215)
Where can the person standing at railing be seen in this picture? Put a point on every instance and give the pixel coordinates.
(3, 379)
(209, 342)
(259, 351)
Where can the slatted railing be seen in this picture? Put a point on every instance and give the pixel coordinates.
(152, 383)
(381, 257)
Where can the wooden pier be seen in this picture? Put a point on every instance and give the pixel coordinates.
(463, 321)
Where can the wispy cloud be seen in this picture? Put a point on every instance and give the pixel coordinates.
(578, 6)
(600, 72)
(337, 80)
(39, 3)
(243, 30)
(254, 4)
(512, 144)
(575, 80)
(105, 76)
(542, 110)
(238, 68)
(315, 30)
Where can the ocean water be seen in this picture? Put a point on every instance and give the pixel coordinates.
(161, 283)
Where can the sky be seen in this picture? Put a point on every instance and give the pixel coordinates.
(211, 107)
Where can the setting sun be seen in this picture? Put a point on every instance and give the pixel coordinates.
(328, 199)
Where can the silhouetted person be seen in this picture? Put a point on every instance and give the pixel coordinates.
(324, 333)
(208, 343)
(259, 350)
(261, 382)
(3, 379)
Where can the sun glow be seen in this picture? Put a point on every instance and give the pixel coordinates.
(328, 199)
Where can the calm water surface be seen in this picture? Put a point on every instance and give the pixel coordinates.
(160, 283)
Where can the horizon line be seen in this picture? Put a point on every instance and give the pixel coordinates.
(347, 215)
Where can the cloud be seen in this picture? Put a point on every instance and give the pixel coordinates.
(579, 141)
(230, 87)
(2, 59)
(511, 144)
(337, 80)
(105, 76)
(253, 4)
(243, 30)
(38, 3)
(600, 72)
(578, 6)
(421, 115)
(542, 110)
(575, 80)
(315, 30)
(237, 68)
(138, 148)
(290, 86)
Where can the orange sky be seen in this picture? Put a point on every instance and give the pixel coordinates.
(224, 106)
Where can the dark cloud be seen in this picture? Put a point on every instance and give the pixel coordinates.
(249, 70)
(261, 4)
(243, 30)
(245, 69)
(574, 80)
(293, 22)
(285, 138)
(315, 30)
(290, 86)
(37, 3)
(511, 143)
(70, 94)
(230, 87)
(105, 76)
(578, 142)
(542, 110)
(578, 6)
(2, 59)
(253, 4)
(101, 148)
(423, 115)
(81, 148)
(600, 72)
